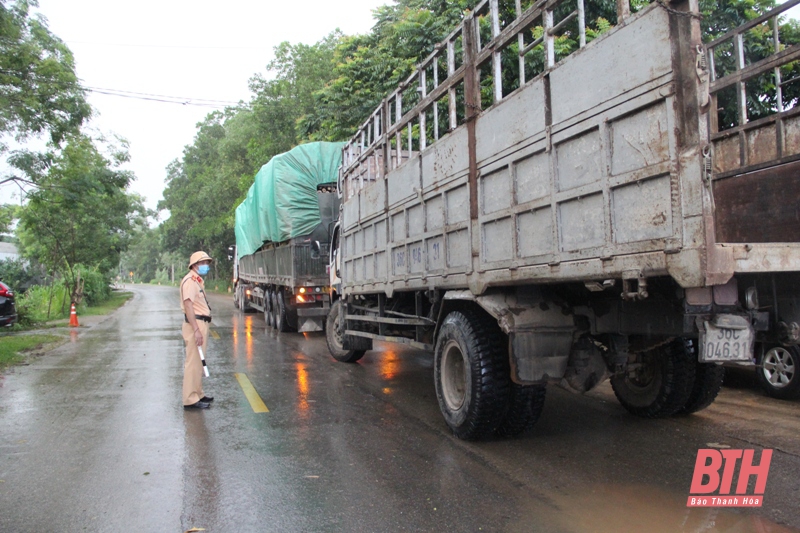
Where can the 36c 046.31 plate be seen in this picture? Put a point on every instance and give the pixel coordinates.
(727, 338)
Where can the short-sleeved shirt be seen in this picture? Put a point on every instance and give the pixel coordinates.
(192, 288)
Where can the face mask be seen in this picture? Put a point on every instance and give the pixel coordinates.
(203, 269)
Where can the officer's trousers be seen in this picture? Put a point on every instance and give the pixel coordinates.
(193, 366)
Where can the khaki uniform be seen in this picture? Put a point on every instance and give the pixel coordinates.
(192, 288)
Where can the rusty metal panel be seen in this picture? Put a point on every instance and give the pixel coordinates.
(398, 227)
(416, 257)
(358, 269)
(759, 206)
(534, 233)
(532, 177)
(578, 161)
(459, 250)
(623, 61)
(727, 154)
(521, 117)
(399, 261)
(498, 241)
(445, 159)
(350, 213)
(369, 267)
(761, 144)
(380, 235)
(434, 213)
(404, 182)
(496, 191)
(640, 139)
(381, 267)
(435, 254)
(642, 210)
(372, 199)
(582, 223)
(457, 205)
(791, 136)
(416, 220)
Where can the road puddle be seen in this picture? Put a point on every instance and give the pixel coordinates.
(614, 508)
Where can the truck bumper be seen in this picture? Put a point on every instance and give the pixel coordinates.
(311, 318)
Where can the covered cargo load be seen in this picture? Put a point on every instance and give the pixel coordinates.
(282, 202)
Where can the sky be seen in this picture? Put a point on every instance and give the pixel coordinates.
(192, 49)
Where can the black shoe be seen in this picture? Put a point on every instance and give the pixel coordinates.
(197, 405)
(207, 399)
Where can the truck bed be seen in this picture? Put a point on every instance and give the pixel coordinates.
(599, 168)
(288, 264)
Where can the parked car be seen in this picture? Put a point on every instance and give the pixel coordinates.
(777, 369)
(8, 309)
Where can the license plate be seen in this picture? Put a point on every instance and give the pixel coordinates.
(726, 344)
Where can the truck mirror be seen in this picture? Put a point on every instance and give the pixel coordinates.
(315, 250)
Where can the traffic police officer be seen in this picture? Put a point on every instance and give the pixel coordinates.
(197, 317)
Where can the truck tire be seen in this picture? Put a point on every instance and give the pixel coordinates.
(273, 301)
(334, 335)
(525, 405)
(707, 384)
(471, 374)
(778, 372)
(659, 382)
(281, 323)
(269, 310)
(244, 306)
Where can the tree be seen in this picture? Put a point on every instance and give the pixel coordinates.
(7, 216)
(39, 90)
(81, 213)
(369, 66)
(281, 106)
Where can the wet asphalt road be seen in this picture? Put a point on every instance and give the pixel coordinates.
(93, 438)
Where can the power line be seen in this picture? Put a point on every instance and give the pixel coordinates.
(178, 46)
(182, 100)
(201, 102)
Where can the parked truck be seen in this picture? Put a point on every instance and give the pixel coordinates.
(282, 230)
(603, 216)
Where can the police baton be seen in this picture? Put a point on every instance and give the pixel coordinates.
(203, 359)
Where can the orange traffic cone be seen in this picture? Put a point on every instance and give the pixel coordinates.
(73, 317)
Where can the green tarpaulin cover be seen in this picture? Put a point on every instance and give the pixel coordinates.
(282, 202)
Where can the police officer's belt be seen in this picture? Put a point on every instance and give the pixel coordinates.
(199, 317)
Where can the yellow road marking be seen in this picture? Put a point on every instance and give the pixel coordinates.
(214, 334)
(250, 393)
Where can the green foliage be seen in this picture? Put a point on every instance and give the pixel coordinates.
(40, 304)
(18, 276)
(142, 254)
(80, 213)
(39, 90)
(721, 16)
(369, 66)
(96, 287)
(7, 216)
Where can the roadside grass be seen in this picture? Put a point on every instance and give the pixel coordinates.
(12, 346)
(118, 298)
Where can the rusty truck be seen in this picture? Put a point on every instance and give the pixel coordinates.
(536, 215)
